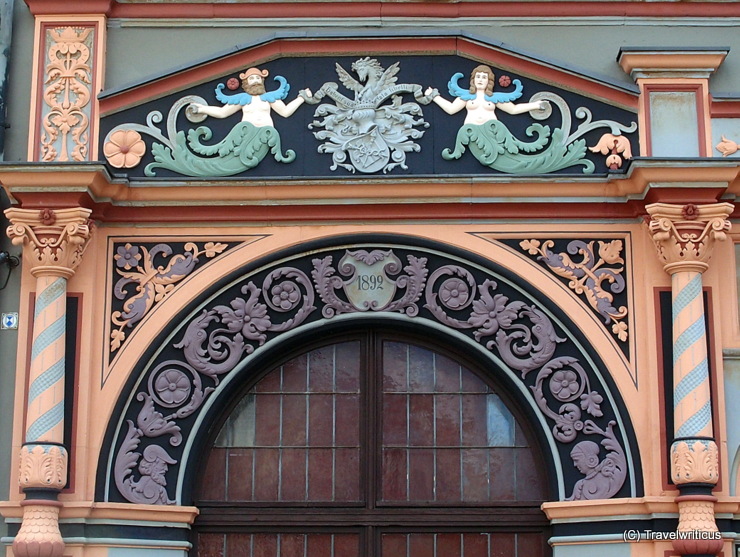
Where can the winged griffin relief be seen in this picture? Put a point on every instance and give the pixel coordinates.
(373, 133)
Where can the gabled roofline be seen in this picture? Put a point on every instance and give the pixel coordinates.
(321, 43)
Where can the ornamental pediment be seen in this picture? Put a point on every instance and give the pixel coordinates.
(368, 108)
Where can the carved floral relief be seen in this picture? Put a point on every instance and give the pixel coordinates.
(323, 286)
(596, 277)
(65, 122)
(147, 276)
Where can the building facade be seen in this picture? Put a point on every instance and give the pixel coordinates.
(370, 279)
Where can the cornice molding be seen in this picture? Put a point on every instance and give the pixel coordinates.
(646, 63)
(618, 195)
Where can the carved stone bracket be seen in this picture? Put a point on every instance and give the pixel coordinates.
(43, 466)
(685, 235)
(56, 239)
(567, 392)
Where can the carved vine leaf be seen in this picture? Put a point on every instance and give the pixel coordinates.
(596, 277)
(144, 283)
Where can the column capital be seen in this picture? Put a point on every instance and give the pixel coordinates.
(684, 235)
(55, 238)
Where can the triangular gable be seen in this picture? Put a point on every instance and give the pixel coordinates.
(370, 113)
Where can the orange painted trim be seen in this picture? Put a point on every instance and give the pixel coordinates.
(700, 90)
(298, 48)
(370, 212)
(112, 511)
(410, 9)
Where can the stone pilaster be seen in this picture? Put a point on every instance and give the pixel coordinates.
(685, 237)
(53, 241)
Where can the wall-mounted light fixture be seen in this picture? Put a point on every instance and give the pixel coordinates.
(11, 261)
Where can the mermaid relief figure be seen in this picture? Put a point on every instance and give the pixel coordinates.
(491, 142)
(480, 100)
(248, 142)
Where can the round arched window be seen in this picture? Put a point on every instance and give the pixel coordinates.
(372, 446)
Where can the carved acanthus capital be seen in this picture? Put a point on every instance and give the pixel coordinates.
(55, 239)
(685, 234)
(694, 461)
(43, 466)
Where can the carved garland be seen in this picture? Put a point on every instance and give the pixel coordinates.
(215, 341)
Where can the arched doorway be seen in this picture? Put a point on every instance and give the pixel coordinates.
(372, 444)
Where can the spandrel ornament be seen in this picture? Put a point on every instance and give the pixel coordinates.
(491, 142)
(243, 148)
(374, 130)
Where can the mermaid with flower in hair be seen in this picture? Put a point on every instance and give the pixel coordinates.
(490, 140)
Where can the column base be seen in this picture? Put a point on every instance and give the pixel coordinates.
(696, 526)
(39, 535)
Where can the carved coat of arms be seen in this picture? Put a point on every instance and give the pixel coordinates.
(374, 130)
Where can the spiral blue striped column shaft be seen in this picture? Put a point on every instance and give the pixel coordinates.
(692, 409)
(45, 410)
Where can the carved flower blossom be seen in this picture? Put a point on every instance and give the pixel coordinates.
(564, 384)
(285, 295)
(249, 315)
(491, 312)
(454, 293)
(124, 149)
(127, 256)
(690, 211)
(172, 386)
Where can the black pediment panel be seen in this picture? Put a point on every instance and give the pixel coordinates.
(376, 120)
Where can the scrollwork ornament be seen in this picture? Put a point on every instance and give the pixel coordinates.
(144, 282)
(216, 340)
(597, 277)
(67, 94)
(369, 283)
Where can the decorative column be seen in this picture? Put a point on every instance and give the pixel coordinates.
(685, 236)
(54, 242)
